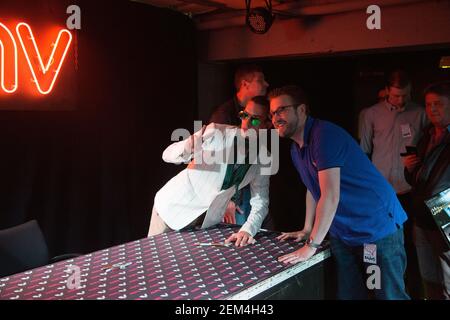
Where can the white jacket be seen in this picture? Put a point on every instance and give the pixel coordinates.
(197, 188)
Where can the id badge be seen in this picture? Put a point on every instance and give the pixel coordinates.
(406, 130)
(370, 253)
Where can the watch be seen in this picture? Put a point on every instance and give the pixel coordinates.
(310, 243)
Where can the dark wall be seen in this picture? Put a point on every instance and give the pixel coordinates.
(89, 175)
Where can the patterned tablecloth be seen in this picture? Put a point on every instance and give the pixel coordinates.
(168, 266)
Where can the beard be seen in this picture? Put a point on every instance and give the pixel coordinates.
(287, 129)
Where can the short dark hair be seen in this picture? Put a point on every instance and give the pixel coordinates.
(398, 79)
(294, 92)
(439, 88)
(263, 102)
(245, 72)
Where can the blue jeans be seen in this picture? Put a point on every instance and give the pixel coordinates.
(352, 271)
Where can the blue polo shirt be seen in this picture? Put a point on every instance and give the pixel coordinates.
(368, 207)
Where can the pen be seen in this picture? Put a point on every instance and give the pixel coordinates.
(217, 244)
(120, 265)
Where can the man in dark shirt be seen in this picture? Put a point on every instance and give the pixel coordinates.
(428, 172)
(249, 82)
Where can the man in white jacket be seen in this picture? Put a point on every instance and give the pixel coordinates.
(206, 185)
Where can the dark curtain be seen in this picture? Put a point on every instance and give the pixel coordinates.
(88, 176)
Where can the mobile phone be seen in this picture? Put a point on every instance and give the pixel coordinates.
(410, 150)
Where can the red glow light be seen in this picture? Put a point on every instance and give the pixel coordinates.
(8, 60)
(44, 75)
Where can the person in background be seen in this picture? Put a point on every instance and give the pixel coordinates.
(249, 82)
(382, 95)
(428, 171)
(385, 130)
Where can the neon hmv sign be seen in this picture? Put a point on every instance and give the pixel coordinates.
(44, 67)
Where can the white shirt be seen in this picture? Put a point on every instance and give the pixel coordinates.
(197, 188)
(385, 131)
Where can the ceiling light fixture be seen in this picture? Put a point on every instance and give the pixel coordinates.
(259, 19)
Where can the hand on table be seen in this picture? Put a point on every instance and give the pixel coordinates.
(302, 254)
(241, 239)
(296, 235)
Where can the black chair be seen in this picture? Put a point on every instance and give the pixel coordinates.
(23, 247)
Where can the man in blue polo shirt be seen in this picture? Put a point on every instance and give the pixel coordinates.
(346, 196)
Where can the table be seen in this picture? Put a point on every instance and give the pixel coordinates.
(168, 266)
